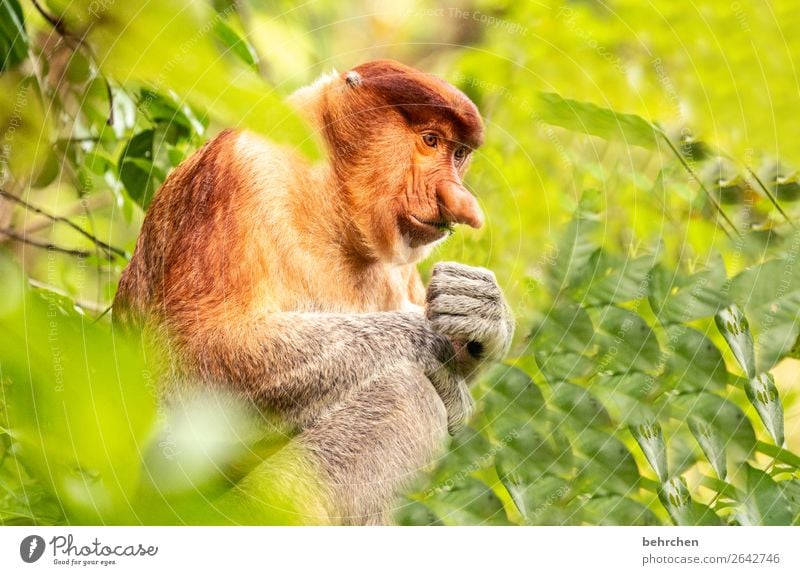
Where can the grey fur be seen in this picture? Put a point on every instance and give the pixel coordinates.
(371, 396)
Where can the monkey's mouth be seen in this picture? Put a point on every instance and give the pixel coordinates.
(423, 231)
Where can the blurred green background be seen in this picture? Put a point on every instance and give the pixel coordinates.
(640, 186)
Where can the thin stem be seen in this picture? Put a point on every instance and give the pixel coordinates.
(770, 195)
(109, 248)
(44, 245)
(697, 179)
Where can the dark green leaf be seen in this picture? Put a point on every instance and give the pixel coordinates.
(13, 37)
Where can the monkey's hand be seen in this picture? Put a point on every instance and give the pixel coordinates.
(465, 304)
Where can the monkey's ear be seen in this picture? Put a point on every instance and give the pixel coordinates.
(353, 79)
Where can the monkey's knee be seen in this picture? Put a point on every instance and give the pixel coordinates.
(374, 446)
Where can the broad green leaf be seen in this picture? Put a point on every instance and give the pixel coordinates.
(678, 298)
(13, 37)
(626, 342)
(719, 426)
(650, 438)
(579, 404)
(770, 295)
(675, 497)
(763, 502)
(617, 282)
(693, 362)
(602, 122)
(536, 500)
(78, 404)
(732, 324)
(136, 169)
(763, 394)
(611, 510)
(626, 397)
(576, 246)
(470, 503)
(562, 340)
(604, 464)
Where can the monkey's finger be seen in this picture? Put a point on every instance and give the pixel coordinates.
(458, 270)
(446, 284)
(464, 305)
(465, 328)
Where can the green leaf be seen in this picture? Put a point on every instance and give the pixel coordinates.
(518, 422)
(675, 497)
(719, 426)
(605, 465)
(626, 396)
(136, 170)
(576, 246)
(694, 363)
(236, 43)
(471, 503)
(677, 298)
(732, 324)
(612, 510)
(626, 342)
(13, 37)
(563, 340)
(536, 500)
(763, 502)
(651, 440)
(770, 295)
(579, 403)
(617, 282)
(763, 394)
(591, 119)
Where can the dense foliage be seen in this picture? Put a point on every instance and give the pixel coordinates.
(639, 182)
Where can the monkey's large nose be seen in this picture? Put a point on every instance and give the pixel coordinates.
(458, 205)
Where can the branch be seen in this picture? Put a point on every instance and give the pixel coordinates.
(108, 248)
(45, 245)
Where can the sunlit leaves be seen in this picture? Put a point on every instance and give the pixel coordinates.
(763, 394)
(592, 119)
(650, 438)
(733, 326)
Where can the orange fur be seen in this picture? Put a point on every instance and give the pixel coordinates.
(245, 227)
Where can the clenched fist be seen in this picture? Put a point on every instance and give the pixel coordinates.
(466, 305)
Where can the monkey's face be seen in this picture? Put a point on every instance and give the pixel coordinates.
(414, 135)
(434, 199)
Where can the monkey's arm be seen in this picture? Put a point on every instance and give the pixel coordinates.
(300, 364)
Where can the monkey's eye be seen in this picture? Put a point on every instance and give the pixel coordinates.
(460, 154)
(431, 140)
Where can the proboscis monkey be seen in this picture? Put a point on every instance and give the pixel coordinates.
(296, 286)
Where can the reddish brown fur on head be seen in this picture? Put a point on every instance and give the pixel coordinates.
(399, 142)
